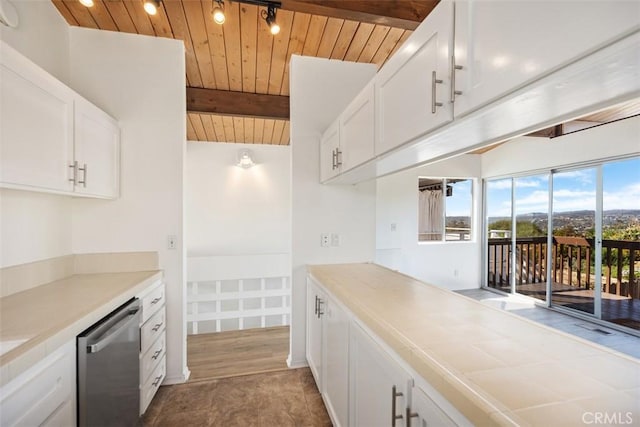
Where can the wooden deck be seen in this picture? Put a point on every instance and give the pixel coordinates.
(235, 353)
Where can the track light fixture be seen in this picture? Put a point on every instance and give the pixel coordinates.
(218, 12)
(151, 6)
(269, 16)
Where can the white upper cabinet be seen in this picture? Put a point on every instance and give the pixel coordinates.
(36, 126)
(504, 45)
(52, 139)
(357, 129)
(97, 151)
(330, 154)
(413, 88)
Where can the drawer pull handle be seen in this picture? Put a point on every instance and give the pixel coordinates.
(156, 300)
(156, 381)
(156, 354)
(157, 327)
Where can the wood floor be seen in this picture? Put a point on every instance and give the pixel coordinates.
(233, 353)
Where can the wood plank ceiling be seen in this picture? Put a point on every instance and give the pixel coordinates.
(241, 55)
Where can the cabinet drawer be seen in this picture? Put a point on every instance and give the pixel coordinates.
(152, 329)
(150, 387)
(152, 357)
(36, 395)
(152, 301)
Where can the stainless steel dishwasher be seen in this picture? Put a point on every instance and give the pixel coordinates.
(109, 369)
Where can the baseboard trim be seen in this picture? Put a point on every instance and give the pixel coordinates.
(181, 379)
(293, 364)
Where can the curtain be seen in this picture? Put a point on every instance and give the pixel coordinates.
(430, 205)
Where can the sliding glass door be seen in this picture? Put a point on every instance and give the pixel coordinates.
(591, 261)
(621, 243)
(499, 228)
(573, 272)
(531, 201)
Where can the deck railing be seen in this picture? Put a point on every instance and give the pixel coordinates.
(573, 263)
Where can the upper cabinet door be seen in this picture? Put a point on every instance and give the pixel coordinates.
(330, 154)
(504, 45)
(97, 151)
(36, 126)
(357, 129)
(412, 89)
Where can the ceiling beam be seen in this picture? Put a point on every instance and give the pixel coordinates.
(550, 132)
(230, 103)
(405, 14)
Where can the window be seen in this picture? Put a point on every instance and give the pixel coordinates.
(445, 207)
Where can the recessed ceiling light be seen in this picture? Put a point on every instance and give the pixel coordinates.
(218, 13)
(88, 3)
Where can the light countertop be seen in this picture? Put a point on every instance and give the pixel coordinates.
(495, 367)
(37, 321)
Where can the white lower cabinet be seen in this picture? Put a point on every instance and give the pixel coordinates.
(336, 366)
(363, 382)
(424, 412)
(152, 343)
(315, 301)
(379, 386)
(45, 394)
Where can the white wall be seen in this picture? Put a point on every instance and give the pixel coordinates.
(36, 226)
(139, 80)
(42, 35)
(235, 211)
(33, 227)
(451, 265)
(524, 154)
(320, 90)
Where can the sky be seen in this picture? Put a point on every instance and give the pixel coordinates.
(573, 190)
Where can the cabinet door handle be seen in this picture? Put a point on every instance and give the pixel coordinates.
(316, 312)
(334, 159)
(320, 312)
(394, 394)
(156, 354)
(434, 82)
(74, 176)
(410, 415)
(454, 67)
(157, 327)
(84, 175)
(338, 158)
(156, 300)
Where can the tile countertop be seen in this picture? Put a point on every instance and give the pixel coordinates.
(35, 322)
(495, 367)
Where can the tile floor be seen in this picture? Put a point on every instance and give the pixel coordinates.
(614, 339)
(284, 398)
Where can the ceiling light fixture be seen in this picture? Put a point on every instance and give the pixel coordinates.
(150, 6)
(244, 159)
(87, 3)
(269, 15)
(218, 12)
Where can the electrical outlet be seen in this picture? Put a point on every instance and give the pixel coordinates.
(325, 240)
(171, 242)
(335, 239)
(394, 226)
